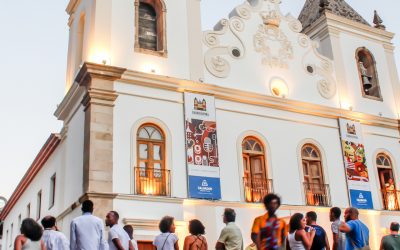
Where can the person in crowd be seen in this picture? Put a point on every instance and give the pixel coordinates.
(30, 237)
(298, 238)
(391, 241)
(118, 239)
(53, 239)
(339, 238)
(357, 233)
(231, 236)
(167, 240)
(268, 231)
(320, 240)
(129, 230)
(87, 230)
(196, 240)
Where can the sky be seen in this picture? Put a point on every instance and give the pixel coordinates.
(33, 50)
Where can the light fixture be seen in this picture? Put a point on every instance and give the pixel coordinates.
(278, 87)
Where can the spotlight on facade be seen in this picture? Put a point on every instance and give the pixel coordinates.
(278, 87)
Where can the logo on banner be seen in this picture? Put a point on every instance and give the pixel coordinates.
(204, 187)
(351, 129)
(361, 199)
(200, 105)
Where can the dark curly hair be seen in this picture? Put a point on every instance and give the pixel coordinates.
(196, 227)
(295, 222)
(165, 224)
(270, 197)
(31, 229)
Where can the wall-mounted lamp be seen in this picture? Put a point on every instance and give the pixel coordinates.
(278, 87)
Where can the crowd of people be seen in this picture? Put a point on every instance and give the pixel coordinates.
(269, 232)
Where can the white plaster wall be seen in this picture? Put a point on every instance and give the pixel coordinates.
(132, 111)
(176, 64)
(40, 182)
(349, 44)
(73, 162)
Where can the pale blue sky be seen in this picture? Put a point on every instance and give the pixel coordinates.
(33, 48)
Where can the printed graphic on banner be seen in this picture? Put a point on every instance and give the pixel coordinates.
(202, 147)
(355, 164)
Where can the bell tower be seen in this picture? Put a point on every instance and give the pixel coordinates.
(363, 55)
(152, 36)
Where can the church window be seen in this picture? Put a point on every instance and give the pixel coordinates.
(256, 184)
(368, 75)
(52, 191)
(390, 194)
(150, 27)
(39, 205)
(151, 176)
(316, 191)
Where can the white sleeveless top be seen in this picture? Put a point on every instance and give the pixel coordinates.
(294, 244)
(31, 245)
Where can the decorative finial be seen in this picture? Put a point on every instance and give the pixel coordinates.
(378, 21)
(324, 6)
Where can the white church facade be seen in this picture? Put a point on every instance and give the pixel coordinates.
(162, 118)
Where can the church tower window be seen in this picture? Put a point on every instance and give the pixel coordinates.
(368, 74)
(150, 34)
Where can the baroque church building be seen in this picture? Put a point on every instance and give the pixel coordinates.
(162, 118)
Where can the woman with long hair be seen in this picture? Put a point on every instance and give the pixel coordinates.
(196, 240)
(298, 238)
(30, 237)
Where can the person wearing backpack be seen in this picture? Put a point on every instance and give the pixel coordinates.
(357, 233)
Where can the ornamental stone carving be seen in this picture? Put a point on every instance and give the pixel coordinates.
(272, 43)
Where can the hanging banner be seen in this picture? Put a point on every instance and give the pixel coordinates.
(354, 161)
(202, 147)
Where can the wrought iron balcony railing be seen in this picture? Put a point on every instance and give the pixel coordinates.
(256, 188)
(153, 181)
(317, 194)
(391, 199)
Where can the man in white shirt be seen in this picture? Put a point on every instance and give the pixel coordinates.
(118, 239)
(53, 239)
(87, 230)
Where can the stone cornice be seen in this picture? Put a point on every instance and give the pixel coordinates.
(81, 92)
(72, 5)
(241, 96)
(359, 29)
(93, 70)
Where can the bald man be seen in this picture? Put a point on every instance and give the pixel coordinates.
(357, 233)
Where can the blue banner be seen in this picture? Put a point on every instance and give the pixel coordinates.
(204, 188)
(361, 199)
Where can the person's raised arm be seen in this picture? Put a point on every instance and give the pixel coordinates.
(344, 227)
(306, 238)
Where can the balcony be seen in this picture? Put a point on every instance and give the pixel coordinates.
(391, 200)
(317, 194)
(153, 181)
(256, 188)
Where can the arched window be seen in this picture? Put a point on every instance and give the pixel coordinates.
(150, 27)
(316, 191)
(255, 180)
(368, 74)
(151, 176)
(387, 181)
